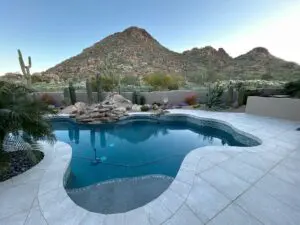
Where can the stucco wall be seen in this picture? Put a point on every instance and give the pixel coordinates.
(174, 97)
(285, 108)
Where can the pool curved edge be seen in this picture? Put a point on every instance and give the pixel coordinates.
(53, 198)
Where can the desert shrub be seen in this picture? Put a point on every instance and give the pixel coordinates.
(129, 80)
(267, 76)
(198, 77)
(156, 103)
(142, 100)
(135, 97)
(72, 93)
(23, 114)
(161, 81)
(36, 78)
(191, 99)
(214, 96)
(108, 83)
(145, 108)
(48, 99)
(241, 96)
(293, 88)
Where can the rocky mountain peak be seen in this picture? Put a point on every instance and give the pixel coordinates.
(137, 33)
(259, 51)
(208, 51)
(223, 53)
(256, 54)
(135, 52)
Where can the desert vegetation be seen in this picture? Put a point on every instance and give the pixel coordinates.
(21, 115)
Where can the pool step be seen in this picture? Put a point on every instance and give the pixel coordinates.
(120, 195)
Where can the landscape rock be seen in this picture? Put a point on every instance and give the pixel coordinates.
(136, 108)
(69, 110)
(110, 110)
(120, 109)
(145, 108)
(155, 107)
(81, 107)
(116, 100)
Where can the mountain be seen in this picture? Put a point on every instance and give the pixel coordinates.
(260, 62)
(135, 52)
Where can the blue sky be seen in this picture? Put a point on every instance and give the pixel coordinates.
(54, 30)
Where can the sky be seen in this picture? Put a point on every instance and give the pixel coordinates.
(51, 31)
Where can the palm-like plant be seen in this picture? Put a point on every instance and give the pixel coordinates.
(22, 113)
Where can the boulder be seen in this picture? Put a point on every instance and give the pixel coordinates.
(136, 108)
(103, 110)
(111, 110)
(71, 109)
(82, 117)
(120, 109)
(96, 115)
(117, 100)
(81, 107)
(145, 108)
(155, 107)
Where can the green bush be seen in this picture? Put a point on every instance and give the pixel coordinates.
(241, 96)
(293, 88)
(129, 80)
(267, 76)
(48, 99)
(145, 108)
(72, 93)
(135, 97)
(142, 100)
(108, 83)
(162, 81)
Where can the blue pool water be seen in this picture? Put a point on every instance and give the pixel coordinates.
(136, 148)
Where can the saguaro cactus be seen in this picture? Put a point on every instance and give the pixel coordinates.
(241, 96)
(135, 97)
(89, 91)
(72, 93)
(99, 88)
(25, 69)
(230, 95)
(67, 99)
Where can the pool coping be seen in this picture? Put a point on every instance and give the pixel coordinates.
(57, 208)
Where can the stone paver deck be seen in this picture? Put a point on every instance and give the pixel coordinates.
(215, 185)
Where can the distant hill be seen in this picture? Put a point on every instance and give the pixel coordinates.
(13, 77)
(135, 52)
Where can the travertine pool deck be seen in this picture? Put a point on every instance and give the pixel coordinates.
(215, 185)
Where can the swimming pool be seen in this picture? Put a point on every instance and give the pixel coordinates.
(138, 146)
